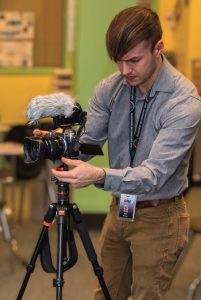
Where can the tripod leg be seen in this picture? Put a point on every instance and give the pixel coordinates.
(58, 282)
(31, 266)
(84, 235)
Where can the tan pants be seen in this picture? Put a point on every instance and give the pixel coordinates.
(138, 257)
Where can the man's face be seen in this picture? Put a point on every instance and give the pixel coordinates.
(138, 65)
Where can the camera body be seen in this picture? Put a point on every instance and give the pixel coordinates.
(54, 145)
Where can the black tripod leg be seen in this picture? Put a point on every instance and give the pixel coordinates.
(31, 265)
(58, 282)
(84, 235)
(43, 235)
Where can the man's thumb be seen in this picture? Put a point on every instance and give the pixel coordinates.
(71, 162)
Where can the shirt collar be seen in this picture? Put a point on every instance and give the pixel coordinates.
(165, 80)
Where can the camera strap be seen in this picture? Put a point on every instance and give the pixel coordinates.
(135, 129)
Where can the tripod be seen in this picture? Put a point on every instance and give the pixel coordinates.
(63, 210)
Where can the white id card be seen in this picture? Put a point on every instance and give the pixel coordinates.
(127, 207)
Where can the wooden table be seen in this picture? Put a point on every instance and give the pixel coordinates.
(11, 149)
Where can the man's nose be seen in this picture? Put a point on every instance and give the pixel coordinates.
(125, 69)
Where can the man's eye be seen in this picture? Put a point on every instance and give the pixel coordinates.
(134, 60)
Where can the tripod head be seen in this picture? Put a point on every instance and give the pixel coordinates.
(63, 189)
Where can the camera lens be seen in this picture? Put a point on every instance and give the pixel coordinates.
(54, 148)
(36, 149)
(33, 149)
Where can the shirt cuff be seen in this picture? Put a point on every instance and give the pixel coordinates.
(113, 179)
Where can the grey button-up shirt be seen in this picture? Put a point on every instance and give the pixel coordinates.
(169, 129)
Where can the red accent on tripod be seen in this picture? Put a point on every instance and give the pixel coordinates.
(47, 224)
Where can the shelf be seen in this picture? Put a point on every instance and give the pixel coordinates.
(28, 71)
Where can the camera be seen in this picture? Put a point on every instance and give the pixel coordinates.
(54, 145)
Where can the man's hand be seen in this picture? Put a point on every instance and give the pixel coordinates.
(83, 174)
(41, 133)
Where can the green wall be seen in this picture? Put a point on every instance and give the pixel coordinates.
(92, 65)
(92, 61)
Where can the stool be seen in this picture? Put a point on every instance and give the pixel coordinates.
(195, 227)
(7, 179)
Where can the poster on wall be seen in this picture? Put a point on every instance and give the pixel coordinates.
(16, 54)
(16, 39)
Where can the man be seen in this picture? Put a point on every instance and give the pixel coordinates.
(149, 113)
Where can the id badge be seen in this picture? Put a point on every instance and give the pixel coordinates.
(127, 205)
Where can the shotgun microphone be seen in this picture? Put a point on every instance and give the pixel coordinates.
(52, 105)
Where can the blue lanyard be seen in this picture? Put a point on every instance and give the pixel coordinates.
(135, 131)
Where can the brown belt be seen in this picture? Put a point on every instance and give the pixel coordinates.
(153, 203)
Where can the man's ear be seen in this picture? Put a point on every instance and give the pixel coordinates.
(159, 47)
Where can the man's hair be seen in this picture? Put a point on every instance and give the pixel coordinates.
(130, 27)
